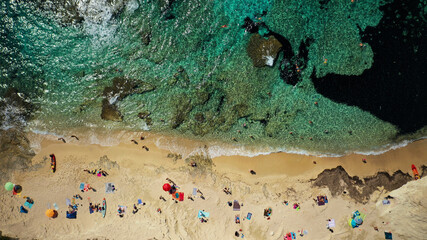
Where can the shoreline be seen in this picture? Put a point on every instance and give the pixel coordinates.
(216, 148)
(277, 163)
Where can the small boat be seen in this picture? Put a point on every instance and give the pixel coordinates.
(415, 171)
(53, 163)
(104, 208)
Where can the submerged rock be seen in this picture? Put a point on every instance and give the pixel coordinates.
(121, 88)
(263, 52)
(182, 107)
(110, 112)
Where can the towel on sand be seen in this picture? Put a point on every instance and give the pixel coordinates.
(202, 214)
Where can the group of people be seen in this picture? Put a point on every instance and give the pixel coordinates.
(98, 172)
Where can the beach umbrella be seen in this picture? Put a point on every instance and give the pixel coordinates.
(358, 220)
(50, 213)
(166, 187)
(17, 189)
(8, 186)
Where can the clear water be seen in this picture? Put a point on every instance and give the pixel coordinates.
(64, 68)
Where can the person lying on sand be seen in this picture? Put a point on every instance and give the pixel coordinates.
(134, 141)
(170, 181)
(162, 198)
(193, 164)
(74, 136)
(62, 139)
(252, 172)
(146, 148)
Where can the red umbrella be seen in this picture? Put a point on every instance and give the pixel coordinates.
(167, 187)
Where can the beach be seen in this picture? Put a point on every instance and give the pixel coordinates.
(140, 174)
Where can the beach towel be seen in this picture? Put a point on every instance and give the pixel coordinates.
(388, 235)
(82, 186)
(288, 236)
(249, 216)
(194, 191)
(86, 187)
(331, 223)
(201, 214)
(386, 202)
(139, 201)
(181, 196)
(28, 205)
(23, 210)
(68, 201)
(109, 187)
(236, 205)
(55, 206)
(293, 235)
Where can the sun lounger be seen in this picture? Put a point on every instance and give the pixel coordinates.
(236, 205)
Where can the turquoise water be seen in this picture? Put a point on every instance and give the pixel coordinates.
(206, 86)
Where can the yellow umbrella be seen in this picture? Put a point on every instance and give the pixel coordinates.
(51, 213)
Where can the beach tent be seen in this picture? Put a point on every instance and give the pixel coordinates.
(236, 205)
(51, 213)
(8, 186)
(72, 214)
(357, 219)
(166, 187)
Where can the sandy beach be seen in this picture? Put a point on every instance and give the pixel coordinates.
(140, 174)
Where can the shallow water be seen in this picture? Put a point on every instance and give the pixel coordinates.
(195, 54)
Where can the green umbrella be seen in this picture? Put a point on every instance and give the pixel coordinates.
(8, 186)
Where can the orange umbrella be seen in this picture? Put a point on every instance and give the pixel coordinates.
(51, 213)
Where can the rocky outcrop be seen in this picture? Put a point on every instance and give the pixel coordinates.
(338, 182)
(16, 153)
(263, 52)
(121, 88)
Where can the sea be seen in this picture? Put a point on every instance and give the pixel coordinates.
(247, 77)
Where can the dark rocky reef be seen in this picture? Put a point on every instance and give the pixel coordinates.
(394, 89)
(121, 88)
(337, 181)
(263, 52)
(68, 12)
